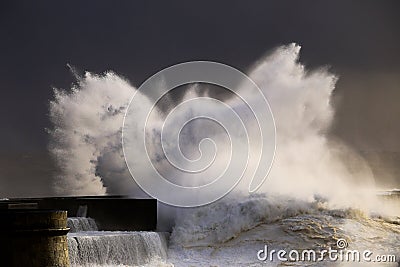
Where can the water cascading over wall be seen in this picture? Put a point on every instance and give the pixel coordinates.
(89, 247)
(79, 224)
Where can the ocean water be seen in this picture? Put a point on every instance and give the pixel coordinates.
(231, 232)
(319, 190)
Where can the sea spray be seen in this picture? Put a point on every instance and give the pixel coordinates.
(318, 191)
(80, 224)
(87, 122)
(86, 136)
(307, 160)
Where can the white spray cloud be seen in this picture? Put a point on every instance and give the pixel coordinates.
(86, 137)
(306, 161)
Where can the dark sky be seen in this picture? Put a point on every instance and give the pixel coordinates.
(360, 40)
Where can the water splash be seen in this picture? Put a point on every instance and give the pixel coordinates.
(317, 189)
(86, 137)
(79, 224)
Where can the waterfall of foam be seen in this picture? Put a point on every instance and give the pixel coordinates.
(116, 248)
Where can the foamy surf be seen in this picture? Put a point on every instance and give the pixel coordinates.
(231, 233)
(86, 143)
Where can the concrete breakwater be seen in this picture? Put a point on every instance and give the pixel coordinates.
(36, 238)
(112, 213)
(33, 232)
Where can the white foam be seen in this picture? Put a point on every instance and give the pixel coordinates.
(79, 224)
(102, 248)
(230, 233)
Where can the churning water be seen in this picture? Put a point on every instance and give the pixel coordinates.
(318, 191)
(89, 247)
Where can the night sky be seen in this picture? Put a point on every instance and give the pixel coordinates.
(359, 40)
